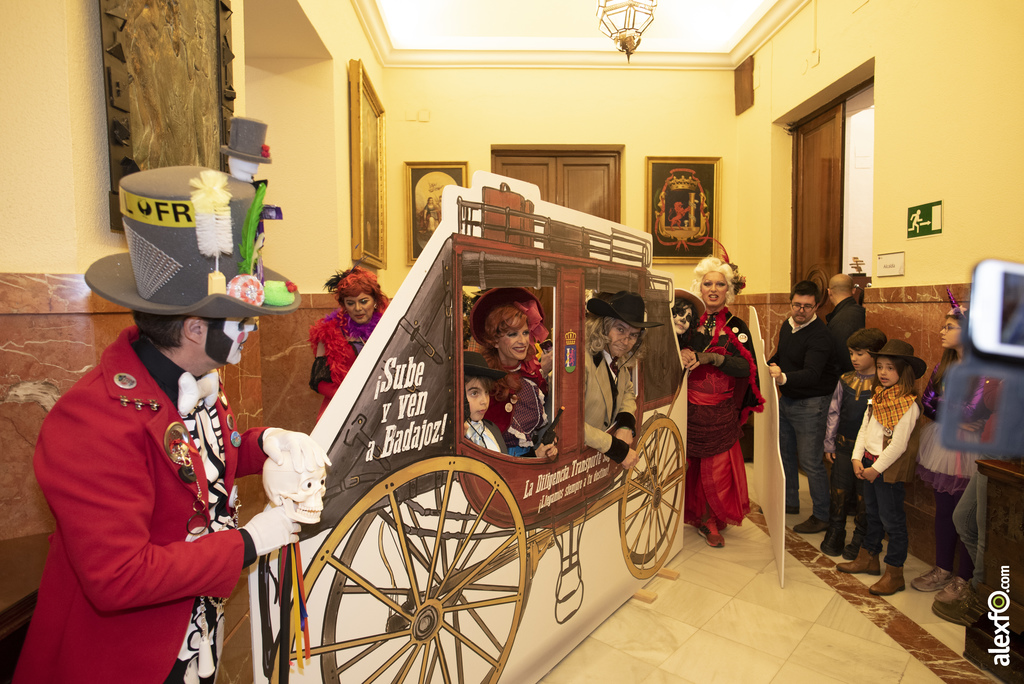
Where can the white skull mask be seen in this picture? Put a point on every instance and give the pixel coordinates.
(301, 494)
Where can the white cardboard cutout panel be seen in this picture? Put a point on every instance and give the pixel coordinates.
(434, 556)
(769, 477)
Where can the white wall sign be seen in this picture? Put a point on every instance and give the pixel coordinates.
(890, 264)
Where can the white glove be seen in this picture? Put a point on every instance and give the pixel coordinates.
(305, 453)
(271, 529)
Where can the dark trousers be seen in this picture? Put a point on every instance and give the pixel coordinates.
(846, 489)
(883, 503)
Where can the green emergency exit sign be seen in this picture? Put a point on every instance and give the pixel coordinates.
(924, 219)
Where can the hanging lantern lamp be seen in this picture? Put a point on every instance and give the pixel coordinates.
(624, 21)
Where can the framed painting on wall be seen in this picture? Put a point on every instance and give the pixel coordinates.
(682, 200)
(366, 137)
(424, 182)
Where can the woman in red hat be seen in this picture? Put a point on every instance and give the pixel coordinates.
(339, 336)
(508, 322)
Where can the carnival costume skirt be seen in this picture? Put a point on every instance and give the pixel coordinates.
(715, 482)
(945, 470)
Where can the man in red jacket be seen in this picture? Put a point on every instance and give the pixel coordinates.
(138, 459)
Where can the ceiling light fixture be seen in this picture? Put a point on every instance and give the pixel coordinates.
(624, 21)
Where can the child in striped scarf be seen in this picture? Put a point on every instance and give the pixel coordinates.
(884, 458)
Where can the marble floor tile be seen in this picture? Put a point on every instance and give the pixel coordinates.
(791, 673)
(914, 604)
(594, 662)
(647, 635)
(842, 617)
(761, 628)
(709, 569)
(797, 599)
(707, 658)
(916, 673)
(795, 572)
(743, 550)
(849, 658)
(688, 602)
(951, 635)
(659, 676)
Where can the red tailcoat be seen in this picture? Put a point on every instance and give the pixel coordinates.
(120, 579)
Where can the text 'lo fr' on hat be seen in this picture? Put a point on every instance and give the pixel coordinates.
(192, 249)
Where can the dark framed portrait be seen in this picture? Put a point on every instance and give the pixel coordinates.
(682, 200)
(424, 182)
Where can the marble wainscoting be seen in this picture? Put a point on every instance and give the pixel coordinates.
(913, 314)
(288, 402)
(52, 332)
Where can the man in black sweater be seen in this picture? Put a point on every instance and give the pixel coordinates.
(805, 370)
(847, 317)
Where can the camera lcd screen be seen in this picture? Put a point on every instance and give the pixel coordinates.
(1012, 330)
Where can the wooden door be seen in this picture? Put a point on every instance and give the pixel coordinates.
(584, 178)
(818, 200)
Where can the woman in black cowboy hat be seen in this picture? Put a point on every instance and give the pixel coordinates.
(614, 336)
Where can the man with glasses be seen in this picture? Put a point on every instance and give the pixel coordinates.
(805, 370)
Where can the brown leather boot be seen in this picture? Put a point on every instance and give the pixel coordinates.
(864, 562)
(891, 582)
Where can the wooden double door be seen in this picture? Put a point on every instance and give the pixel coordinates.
(586, 178)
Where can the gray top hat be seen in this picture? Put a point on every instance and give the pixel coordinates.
(164, 271)
(246, 139)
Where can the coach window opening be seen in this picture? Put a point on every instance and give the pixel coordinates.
(482, 272)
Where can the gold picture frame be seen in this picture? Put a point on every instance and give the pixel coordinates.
(424, 182)
(682, 207)
(369, 196)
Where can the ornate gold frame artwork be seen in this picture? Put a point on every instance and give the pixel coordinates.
(366, 121)
(424, 182)
(682, 196)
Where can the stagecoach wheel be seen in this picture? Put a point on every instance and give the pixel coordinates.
(421, 587)
(652, 499)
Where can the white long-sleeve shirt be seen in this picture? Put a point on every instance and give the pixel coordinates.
(871, 434)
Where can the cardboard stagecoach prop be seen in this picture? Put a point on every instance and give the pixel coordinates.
(436, 560)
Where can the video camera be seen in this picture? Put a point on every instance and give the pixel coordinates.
(992, 368)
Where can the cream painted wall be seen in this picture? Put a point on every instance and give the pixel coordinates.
(296, 99)
(341, 33)
(947, 93)
(948, 104)
(652, 113)
(54, 174)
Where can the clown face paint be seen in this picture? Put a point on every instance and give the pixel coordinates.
(225, 338)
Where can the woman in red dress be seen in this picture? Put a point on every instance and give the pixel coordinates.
(722, 392)
(339, 336)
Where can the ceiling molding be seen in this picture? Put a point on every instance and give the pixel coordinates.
(763, 30)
